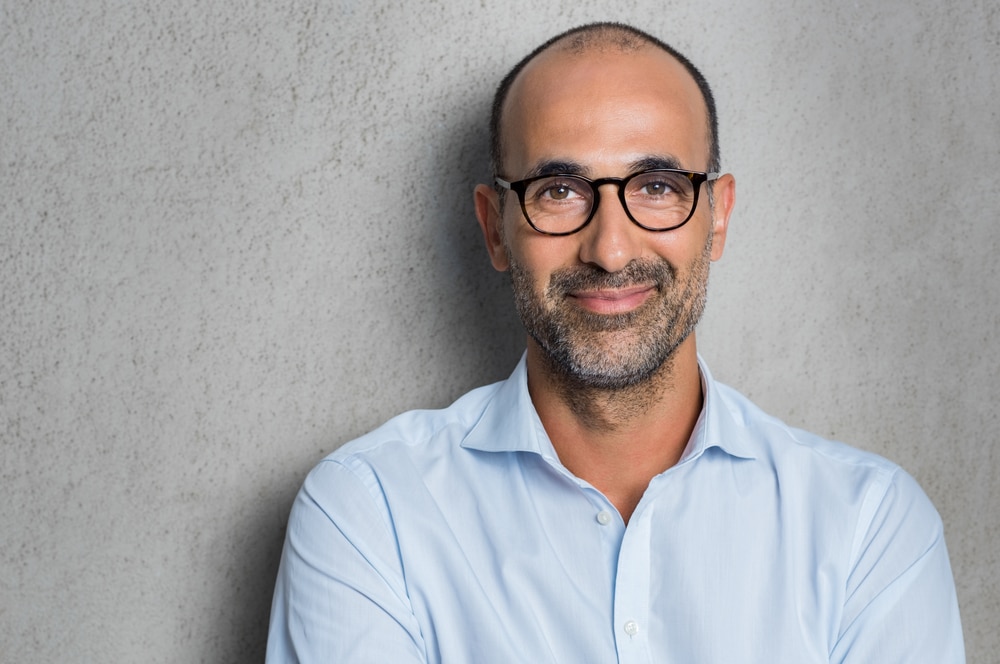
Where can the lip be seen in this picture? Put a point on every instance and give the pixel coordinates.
(613, 301)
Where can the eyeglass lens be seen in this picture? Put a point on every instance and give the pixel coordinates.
(563, 203)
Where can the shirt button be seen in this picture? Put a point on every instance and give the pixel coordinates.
(631, 628)
(604, 517)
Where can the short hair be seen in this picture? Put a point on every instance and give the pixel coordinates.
(592, 35)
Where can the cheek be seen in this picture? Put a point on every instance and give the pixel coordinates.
(528, 282)
(684, 246)
(538, 256)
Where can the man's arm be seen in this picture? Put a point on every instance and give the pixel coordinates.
(340, 594)
(901, 604)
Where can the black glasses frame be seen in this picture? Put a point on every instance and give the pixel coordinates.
(697, 179)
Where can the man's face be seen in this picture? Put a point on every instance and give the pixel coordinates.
(611, 303)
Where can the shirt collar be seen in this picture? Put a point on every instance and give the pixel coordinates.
(717, 426)
(509, 423)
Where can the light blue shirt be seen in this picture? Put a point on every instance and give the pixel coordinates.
(457, 536)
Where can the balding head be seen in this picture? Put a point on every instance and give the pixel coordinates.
(597, 37)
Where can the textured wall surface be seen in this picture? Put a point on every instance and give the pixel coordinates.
(235, 235)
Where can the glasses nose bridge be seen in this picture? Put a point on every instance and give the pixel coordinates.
(619, 183)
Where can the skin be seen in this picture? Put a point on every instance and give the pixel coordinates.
(606, 111)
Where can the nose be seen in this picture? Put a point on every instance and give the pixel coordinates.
(610, 241)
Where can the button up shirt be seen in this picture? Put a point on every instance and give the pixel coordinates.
(457, 536)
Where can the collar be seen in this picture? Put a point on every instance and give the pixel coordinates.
(510, 423)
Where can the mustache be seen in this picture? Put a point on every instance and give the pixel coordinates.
(586, 277)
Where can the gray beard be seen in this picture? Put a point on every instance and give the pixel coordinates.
(579, 346)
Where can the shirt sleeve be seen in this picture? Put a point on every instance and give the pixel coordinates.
(340, 594)
(901, 605)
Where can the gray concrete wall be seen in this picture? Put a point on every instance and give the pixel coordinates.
(235, 235)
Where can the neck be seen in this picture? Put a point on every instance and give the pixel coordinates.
(618, 440)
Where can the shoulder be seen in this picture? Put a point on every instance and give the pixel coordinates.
(772, 438)
(395, 456)
(865, 525)
(416, 429)
(830, 474)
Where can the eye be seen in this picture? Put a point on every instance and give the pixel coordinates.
(559, 191)
(656, 188)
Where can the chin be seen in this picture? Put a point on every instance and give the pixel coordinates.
(614, 366)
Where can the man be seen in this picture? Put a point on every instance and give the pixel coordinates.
(610, 501)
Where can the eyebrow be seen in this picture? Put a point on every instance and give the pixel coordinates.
(564, 167)
(652, 162)
(556, 167)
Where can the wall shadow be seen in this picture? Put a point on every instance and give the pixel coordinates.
(481, 341)
(240, 631)
(484, 329)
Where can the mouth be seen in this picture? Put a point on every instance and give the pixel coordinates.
(612, 301)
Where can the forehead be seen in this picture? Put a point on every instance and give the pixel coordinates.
(603, 109)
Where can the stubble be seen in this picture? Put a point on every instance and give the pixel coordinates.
(593, 355)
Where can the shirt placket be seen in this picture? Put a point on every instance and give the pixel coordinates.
(631, 602)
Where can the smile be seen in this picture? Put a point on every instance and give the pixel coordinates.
(613, 301)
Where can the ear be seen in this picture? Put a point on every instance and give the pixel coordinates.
(487, 203)
(724, 191)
